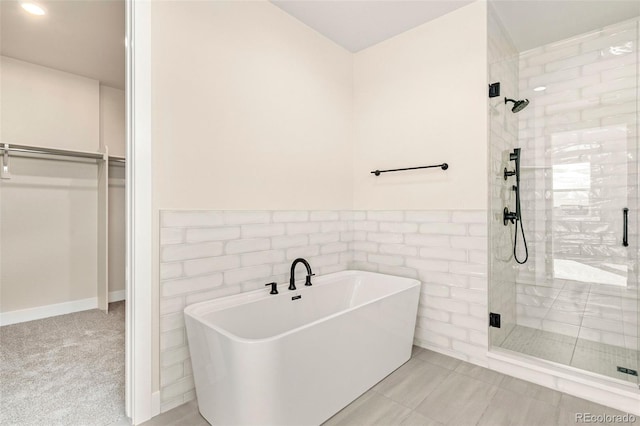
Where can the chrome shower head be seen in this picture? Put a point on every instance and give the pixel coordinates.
(517, 105)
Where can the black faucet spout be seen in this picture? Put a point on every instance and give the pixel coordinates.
(292, 280)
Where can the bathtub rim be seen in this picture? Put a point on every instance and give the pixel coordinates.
(258, 295)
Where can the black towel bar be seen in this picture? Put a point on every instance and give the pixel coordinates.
(443, 166)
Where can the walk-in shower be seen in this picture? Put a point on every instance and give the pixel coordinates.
(565, 170)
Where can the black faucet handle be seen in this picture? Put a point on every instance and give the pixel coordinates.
(274, 287)
(307, 282)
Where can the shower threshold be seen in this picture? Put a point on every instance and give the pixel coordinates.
(613, 392)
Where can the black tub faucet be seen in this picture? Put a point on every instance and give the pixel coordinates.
(292, 280)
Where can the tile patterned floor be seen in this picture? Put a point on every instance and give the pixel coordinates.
(433, 389)
(580, 353)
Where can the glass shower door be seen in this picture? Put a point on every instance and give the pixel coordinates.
(576, 298)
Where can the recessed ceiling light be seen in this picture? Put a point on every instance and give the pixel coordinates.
(540, 88)
(33, 9)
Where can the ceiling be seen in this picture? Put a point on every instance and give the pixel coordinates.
(356, 25)
(87, 37)
(81, 37)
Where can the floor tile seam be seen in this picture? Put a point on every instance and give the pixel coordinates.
(425, 397)
(531, 396)
(440, 366)
(484, 411)
(580, 328)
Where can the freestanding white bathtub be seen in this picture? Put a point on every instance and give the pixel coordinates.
(299, 357)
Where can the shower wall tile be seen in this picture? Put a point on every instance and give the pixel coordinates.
(229, 256)
(576, 137)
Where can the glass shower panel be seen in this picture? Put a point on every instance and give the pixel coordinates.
(576, 298)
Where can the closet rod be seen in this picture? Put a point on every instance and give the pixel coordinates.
(113, 159)
(51, 151)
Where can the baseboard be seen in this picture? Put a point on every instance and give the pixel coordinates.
(116, 296)
(40, 312)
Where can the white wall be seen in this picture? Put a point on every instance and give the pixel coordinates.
(45, 107)
(48, 209)
(420, 99)
(112, 120)
(113, 135)
(252, 109)
(49, 233)
(117, 228)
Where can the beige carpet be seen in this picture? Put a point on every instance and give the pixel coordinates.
(65, 370)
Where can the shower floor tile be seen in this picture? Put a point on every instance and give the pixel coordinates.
(540, 344)
(588, 355)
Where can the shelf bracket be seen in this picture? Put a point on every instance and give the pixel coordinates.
(4, 171)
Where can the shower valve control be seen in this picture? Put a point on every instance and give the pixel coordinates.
(508, 216)
(508, 173)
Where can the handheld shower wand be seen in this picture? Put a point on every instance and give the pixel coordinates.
(515, 217)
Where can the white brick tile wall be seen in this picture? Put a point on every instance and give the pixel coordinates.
(247, 245)
(443, 228)
(303, 228)
(171, 236)
(253, 248)
(439, 216)
(245, 217)
(195, 235)
(401, 227)
(171, 304)
(585, 115)
(170, 270)
(323, 238)
(400, 249)
(381, 237)
(421, 240)
(208, 265)
(292, 216)
(174, 252)
(262, 230)
(171, 339)
(172, 321)
(324, 216)
(262, 257)
(306, 251)
(238, 276)
(181, 286)
(290, 241)
(385, 216)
